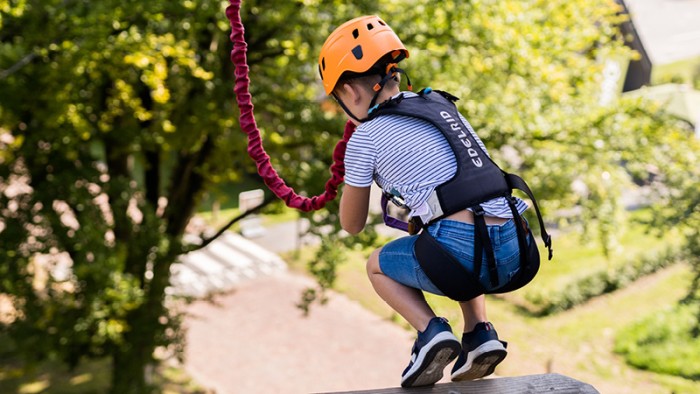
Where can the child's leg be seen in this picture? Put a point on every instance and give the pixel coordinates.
(474, 312)
(410, 303)
(435, 346)
(482, 351)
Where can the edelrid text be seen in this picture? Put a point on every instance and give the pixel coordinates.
(456, 126)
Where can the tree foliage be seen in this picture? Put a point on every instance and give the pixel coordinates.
(677, 204)
(117, 116)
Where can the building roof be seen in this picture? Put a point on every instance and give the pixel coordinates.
(669, 29)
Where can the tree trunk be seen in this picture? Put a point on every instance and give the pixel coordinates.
(132, 359)
(129, 363)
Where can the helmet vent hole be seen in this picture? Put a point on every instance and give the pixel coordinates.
(357, 52)
(381, 22)
(355, 33)
(370, 26)
(323, 64)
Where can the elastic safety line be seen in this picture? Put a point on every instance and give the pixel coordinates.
(255, 147)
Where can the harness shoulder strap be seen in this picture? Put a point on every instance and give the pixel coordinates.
(482, 243)
(516, 182)
(477, 178)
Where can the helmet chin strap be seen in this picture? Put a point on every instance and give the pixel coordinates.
(347, 110)
(390, 72)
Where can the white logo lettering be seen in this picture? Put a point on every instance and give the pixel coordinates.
(457, 127)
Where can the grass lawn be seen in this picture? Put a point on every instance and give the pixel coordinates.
(52, 377)
(221, 206)
(223, 216)
(683, 69)
(578, 343)
(89, 377)
(574, 260)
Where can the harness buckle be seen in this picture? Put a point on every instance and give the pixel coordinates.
(395, 198)
(415, 224)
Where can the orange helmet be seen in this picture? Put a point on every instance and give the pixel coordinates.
(356, 46)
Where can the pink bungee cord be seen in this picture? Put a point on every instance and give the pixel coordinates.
(255, 146)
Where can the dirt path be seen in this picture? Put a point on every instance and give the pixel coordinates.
(255, 340)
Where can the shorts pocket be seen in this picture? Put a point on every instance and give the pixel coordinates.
(507, 268)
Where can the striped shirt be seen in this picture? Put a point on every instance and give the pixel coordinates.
(409, 157)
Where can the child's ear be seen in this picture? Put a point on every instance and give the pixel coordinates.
(352, 92)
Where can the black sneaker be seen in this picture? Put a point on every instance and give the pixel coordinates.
(481, 352)
(433, 350)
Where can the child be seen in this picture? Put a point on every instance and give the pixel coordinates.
(410, 157)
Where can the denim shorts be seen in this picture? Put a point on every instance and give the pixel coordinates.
(398, 261)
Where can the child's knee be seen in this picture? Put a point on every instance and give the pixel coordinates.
(373, 263)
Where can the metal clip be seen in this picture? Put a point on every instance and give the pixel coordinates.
(412, 228)
(415, 224)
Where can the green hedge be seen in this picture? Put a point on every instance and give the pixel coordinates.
(600, 282)
(663, 343)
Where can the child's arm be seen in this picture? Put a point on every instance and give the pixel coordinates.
(354, 206)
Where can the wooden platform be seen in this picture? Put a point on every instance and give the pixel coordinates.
(531, 384)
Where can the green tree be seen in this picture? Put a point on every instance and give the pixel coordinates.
(677, 175)
(116, 117)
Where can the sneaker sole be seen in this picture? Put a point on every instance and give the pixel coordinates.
(430, 364)
(490, 354)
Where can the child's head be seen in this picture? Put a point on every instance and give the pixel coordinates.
(358, 61)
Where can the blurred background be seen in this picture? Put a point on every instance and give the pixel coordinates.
(120, 152)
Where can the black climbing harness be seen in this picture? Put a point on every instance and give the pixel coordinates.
(477, 180)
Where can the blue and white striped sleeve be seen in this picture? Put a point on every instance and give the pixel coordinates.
(360, 160)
